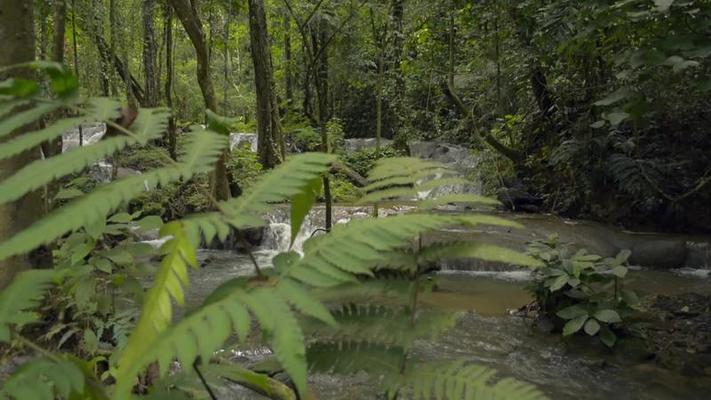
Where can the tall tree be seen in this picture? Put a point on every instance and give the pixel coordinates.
(18, 46)
(190, 20)
(170, 74)
(150, 51)
(270, 143)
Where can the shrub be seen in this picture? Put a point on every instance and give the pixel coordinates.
(581, 291)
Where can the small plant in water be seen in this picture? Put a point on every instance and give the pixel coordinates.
(582, 291)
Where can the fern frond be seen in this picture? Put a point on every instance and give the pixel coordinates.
(461, 380)
(281, 184)
(156, 312)
(458, 198)
(357, 247)
(200, 153)
(44, 379)
(633, 176)
(481, 251)
(42, 172)
(276, 318)
(98, 109)
(23, 294)
(348, 358)
(26, 117)
(386, 325)
(406, 179)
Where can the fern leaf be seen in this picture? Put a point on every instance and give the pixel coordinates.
(23, 294)
(479, 251)
(460, 380)
(347, 358)
(156, 312)
(281, 184)
(44, 379)
(358, 246)
(276, 318)
(200, 153)
(26, 117)
(99, 109)
(199, 334)
(42, 172)
(460, 198)
(305, 302)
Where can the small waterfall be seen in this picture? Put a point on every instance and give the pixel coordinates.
(458, 158)
(237, 139)
(364, 143)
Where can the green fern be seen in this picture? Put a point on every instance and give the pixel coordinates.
(45, 379)
(290, 179)
(98, 109)
(404, 178)
(148, 126)
(460, 380)
(201, 151)
(172, 276)
(27, 117)
(23, 295)
(359, 246)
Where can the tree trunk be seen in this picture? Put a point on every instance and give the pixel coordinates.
(288, 75)
(98, 28)
(170, 73)
(320, 51)
(191, 22)
(60, 11)
(150, 50)
(18, 46)
(393, 64)
(270, 143)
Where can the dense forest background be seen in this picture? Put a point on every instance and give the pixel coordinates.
(597, 108)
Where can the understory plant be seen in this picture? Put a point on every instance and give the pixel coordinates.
(286, 306)
(584, 291)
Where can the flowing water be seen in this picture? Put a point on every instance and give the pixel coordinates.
(487, 333)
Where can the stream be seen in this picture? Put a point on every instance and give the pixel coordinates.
(486, 332)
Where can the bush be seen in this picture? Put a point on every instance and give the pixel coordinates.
(243, 166)
(581, 291)
(363, 160)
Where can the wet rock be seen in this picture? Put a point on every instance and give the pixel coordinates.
(237, 139)
(698, 255)
(517, 198)
(680, 332)
(659, 253)
(364, 143)
(460, 158)
(90, 134)
(122, 172)
(101, 172)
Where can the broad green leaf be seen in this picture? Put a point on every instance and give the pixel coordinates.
(574, 325)
(572, 312)
(592, 327)
(609, 316)
(301, 204)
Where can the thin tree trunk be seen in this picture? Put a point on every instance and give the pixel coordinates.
(270, 143)
(60, 13)
(98, 28)
(288, 75)
(226, 56)
(191, 22)
(18, 46)
(150, 50)
(170, 70)
(320, 40)
(113, 38)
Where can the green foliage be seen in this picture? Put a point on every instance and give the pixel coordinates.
(18, 299)
(243, 166)
(583, 290)
(363, 160)
(44, 379)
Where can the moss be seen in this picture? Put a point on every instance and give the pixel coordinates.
(363, 160)
(143, 158)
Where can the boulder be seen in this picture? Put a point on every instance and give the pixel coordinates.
(662, 253)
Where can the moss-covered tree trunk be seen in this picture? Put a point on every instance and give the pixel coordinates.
(17, 46)
(270, 142)
(191, 22)
(150, 55)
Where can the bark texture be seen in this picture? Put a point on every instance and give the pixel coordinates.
(190, 20)
(18, 45)
(150, 57)
(270, 144)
